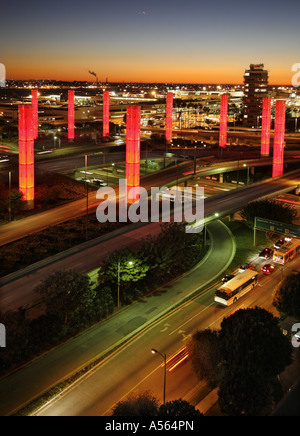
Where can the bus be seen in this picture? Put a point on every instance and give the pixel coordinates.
(287, 252)
(231, 291)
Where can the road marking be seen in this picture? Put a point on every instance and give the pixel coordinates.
(190, 319)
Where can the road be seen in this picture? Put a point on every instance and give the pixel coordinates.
(15, 293)
(255, 134)
(29, 382)
(21, 291)
(135, 369)
(18, 229)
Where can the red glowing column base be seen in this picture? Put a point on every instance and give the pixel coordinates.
(26, 155)
(169, 117)
(34, 100)
(266, 127)
(279, 134)
(133, 152)
(71, 115)
(223, 121)
(105, 113)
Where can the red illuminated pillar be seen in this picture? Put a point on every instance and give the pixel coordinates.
(71, 115)
(223, 121)
(169, 117)
(34, 100)
(266, 126)
(26, 155)
(105, 113)
(133, 136)
(279, 132)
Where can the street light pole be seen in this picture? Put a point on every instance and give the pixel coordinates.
(164, 356)
(87, 200)
(118, 284)
(9, 196)
(119, 266)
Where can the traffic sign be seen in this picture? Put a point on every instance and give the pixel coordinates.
(266, 225)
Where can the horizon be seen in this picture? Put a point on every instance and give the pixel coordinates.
(101, 83)
(194, 42)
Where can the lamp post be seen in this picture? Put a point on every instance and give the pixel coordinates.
(87, 197)
(248, 176)
(164, 356)
(130, 264)
(9, 196)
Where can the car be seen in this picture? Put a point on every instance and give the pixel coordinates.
(279, 243)
(227, 277)
(266, 253)
(99, 182)
(268, 269)
(247, 266)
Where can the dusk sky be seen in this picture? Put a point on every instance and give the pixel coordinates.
(175, 41)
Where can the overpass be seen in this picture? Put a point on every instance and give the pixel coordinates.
(19, 229)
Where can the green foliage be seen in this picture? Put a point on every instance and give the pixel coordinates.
(240, 395)
(205, 355)
(143, 404)
(269, 209)
(286, 297)
(252, 339)
(12, 199)
(65, 293)
(178, 408)
(154, 263)
(49, 242)
(72, 305)
(247, 354)
(254, 351)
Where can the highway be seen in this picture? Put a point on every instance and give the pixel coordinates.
(135, 369)
(18, 229)
(20, 292)
(35, 378)
(231, 133)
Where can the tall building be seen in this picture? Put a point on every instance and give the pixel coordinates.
(255, 89)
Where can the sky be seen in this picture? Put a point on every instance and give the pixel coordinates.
(186, 41)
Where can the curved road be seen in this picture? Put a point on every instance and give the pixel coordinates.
(19, 388)
(18, 229)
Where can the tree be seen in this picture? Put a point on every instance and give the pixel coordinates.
(240, 395)
(65, 293)
(14, 201)
(254, 351)
(269, 209)
(124, 268)
(143, 404)
(252, 339)
(10, 199)
(204, 351)
(178, 408)
(286, 296)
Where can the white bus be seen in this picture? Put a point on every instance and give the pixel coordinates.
(231, 291)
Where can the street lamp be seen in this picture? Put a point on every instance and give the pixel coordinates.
(9, 196)
(164, 356)
(130, 264)
(248, 177)
(87, 197)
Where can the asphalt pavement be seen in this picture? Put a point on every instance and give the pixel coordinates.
(37, 377)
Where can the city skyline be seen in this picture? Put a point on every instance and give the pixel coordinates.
(173, 42)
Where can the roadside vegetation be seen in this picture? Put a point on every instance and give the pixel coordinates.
(242, 360)
(69, 302)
